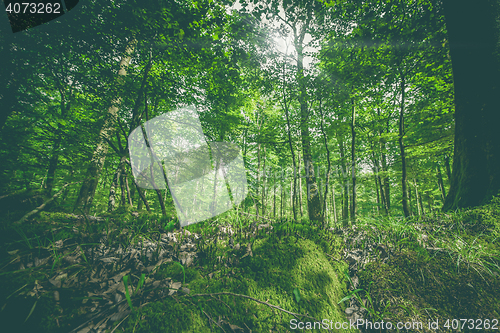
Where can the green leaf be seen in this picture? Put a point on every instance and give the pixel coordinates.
(297, 295)
(351, 295)
(31, 311)
(125, 282)
(141, 282)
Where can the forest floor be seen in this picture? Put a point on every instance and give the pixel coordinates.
(129, 272)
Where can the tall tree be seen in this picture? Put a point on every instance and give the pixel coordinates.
(473, 39)
(87, 191)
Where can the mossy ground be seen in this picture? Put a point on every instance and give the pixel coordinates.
(276, 268)
(459, 278)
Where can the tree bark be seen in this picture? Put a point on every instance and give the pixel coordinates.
(112, 190)
(313, 202)
(417, 198)
(334, 208)
(345, 190)
(448, 169)
(258, 180)
(440, 182)
(290, 142)
(327, 181)
(87, 191)
(404, 200)
(353, 162)
(299, 178)
(376, 190)
(473, 38)
(274, 198)
(264, 184)
(51, 172)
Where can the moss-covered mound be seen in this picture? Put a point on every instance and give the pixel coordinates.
(290, 273)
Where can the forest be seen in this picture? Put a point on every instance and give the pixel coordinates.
(251, 166)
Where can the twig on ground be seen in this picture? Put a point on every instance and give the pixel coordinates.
(333, 257)
(258, 301)
(42, 206)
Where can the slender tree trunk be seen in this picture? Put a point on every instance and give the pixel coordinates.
(334, 208)
(281, 196)
(124, 180)
(162, 203)
(376, 189)
(404, 200)
(378, 180)
(410, 200)
(112, 190)
(384, 185)
(313, 202)
(258, 181)
(448, 169)
(345, 189)
(386, 181)
(473, 39)
(122, 185)
(420, 200)
(87, 191)
(290, 142)
(64, 106)
(274, 198)
(440, 182)
(353, 163)
(327, 181)
(264, 185)
(51, 172)
(417, 198)
(300, 187)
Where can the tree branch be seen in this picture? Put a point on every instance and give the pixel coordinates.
(42, 206)
(258, 301)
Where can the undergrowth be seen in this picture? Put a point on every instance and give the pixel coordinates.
(436, 267)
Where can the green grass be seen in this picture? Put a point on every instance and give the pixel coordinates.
(439, 267)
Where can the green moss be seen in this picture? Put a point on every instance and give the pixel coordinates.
(276, 268)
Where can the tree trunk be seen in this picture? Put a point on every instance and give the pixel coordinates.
(404, 200)
(448, 169)
(289, 130)
(313, 202)
(51, 172)
(281, 196)
(376, 189)
(353, 162)
(124, 183)
(87, 191)
(258, 180)
(334, 208)
(300, 186)
(274, 198)
(472, 33)
(264, 185)
(440, 182)
(112, 190)
(345, 186)
(325, 138)
(420, 200)
(143, 198)
(162, 203)
(386, 182)
(378, 181)
(417, 198)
